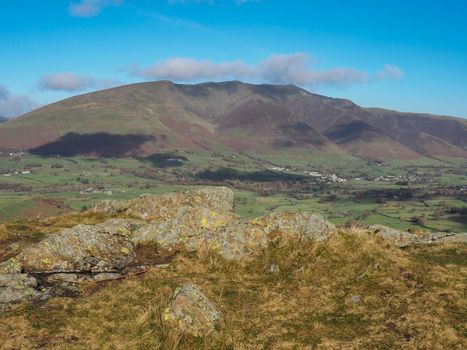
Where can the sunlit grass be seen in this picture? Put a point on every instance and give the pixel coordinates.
(352, 292)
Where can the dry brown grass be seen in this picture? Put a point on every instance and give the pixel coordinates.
(353, 292)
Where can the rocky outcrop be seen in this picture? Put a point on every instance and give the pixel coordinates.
(400, 238)
(192, 312)
(224, 233)
(303, 226)
(185, 230)
(186, 221)
(238, 240)
(111, 207)
(152, 230)
(104, 247)
(403, 239)
(166, 206)
(62, 261)
(59, 263)
(448, 238)
(17, 287)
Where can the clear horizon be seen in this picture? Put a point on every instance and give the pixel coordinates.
(402, 56)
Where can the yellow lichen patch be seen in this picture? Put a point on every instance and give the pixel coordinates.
(204, 222)
(166, 314)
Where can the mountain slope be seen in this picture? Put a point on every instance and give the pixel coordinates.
(150, 117)
(366, 141)
(427, 134)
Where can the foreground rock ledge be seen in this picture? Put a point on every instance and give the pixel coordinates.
(161, 226)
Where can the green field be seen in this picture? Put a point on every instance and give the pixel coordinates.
(60, 184)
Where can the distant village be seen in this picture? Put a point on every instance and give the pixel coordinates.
(326, 178)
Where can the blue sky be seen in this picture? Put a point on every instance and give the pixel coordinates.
(407, 55)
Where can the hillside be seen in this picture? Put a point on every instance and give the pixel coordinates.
(182, 271)
(149, 117)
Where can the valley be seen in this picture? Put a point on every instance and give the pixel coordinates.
(279, 147)
(426, 194)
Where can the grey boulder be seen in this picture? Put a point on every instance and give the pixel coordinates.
(192, 312)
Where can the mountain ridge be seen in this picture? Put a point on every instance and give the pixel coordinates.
(262, 118)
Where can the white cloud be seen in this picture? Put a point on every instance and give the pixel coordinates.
(12, 105)
(294, 69)
(181, 68)
(71, 82)
(66, 82)
(390, 72)
(90, 8)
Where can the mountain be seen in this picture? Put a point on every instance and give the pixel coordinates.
(146, 118)
(3, 119)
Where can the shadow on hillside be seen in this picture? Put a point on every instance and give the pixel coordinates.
(354, 130)
(98, 144)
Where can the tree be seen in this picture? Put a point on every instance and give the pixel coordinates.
(417, 220)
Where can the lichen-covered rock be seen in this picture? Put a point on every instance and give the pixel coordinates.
(83, 248)
(442, 237)
(238, 240)
(185, 229)
(305, 226)
(17, 287)
(192, 312)
(448, 238)
(403, 239)
(166, 206)
(119, 227)
(218, 198)
(111, 207)
(11, 266)
(400, 238)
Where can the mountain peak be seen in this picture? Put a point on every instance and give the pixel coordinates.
(256, 118)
